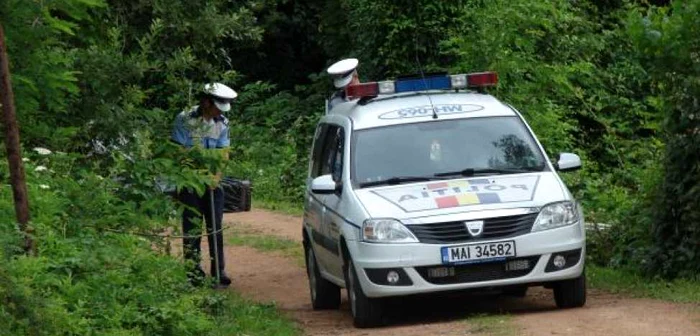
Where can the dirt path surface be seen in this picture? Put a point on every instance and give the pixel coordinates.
(266, 277)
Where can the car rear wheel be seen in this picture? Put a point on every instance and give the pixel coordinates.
(324, 294)
(571, 293)
(366, 312)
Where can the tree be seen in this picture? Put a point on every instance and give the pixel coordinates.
(14, 157)
(668, 40)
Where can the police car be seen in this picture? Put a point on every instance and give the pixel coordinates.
(425, 185)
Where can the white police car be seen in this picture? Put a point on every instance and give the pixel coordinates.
(422, 185)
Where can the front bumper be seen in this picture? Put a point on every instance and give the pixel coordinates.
(415, 259)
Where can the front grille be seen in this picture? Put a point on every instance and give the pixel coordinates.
(478, 272)
(456, 232)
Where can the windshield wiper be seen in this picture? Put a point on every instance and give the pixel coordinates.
(398, 180)
(481, 171)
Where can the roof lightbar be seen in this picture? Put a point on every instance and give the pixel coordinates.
(482, 79)
(370, 89)
(442, 82)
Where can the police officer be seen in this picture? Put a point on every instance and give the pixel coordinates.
(344, 73)
(204, 126)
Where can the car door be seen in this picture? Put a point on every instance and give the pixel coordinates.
(334, 219)
(322, 165)
(313, 207)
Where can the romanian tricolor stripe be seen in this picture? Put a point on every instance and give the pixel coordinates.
(467, 199)
(458, 193)
(457, 184)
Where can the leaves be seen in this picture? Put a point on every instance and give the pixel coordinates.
(103, 81)
(668, 39)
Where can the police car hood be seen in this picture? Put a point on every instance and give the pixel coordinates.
(462, 195)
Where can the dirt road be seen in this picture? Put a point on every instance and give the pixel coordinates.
(267, 277)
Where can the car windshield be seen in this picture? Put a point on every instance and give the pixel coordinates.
(444, 148)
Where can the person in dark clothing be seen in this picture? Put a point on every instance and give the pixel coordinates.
(205, 127)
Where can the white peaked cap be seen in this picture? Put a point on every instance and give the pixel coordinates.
(222, 94)
(342, 71)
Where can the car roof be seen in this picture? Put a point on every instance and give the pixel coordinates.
(415, 107)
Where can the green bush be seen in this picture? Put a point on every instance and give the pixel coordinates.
(86, 279)
(668, 40)
(95, 274)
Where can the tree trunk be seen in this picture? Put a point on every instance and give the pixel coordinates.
(14, 158)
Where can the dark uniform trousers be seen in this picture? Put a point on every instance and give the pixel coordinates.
(191, 225)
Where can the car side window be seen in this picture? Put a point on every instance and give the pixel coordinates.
(332, 157)
(337, 164)
(318, 146)
(328, 151)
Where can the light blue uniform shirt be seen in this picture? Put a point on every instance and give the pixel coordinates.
(190, 128)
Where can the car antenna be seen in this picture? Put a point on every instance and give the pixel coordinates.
(432, 107)
(420, 68)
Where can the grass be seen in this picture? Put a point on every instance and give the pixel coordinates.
(287, 208)
(244, 236)
(628, 283)
(238, 316)
(494, 325)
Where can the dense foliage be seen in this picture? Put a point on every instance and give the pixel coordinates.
(100, 81)
(668, 40)
(102, 97)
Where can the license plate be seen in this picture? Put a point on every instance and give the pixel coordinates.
(481, 252)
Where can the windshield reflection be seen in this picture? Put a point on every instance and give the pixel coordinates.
(491, 144)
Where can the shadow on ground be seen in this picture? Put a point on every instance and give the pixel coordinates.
(460, 306)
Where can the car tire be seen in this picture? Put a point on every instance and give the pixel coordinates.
(324, 294)
(366, 312)
(516, 291)
(571, 293)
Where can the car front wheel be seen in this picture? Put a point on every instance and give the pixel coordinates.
(366, 312)
(324, 294)
(571, 293)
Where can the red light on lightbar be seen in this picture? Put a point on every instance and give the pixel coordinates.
(370, 89)
(482, 79)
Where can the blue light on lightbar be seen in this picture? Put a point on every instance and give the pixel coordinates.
(418, 84)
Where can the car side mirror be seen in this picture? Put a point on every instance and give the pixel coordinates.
(568, 162)
(324, 184)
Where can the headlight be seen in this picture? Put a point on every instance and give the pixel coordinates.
(556, 215)
(386, 231)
